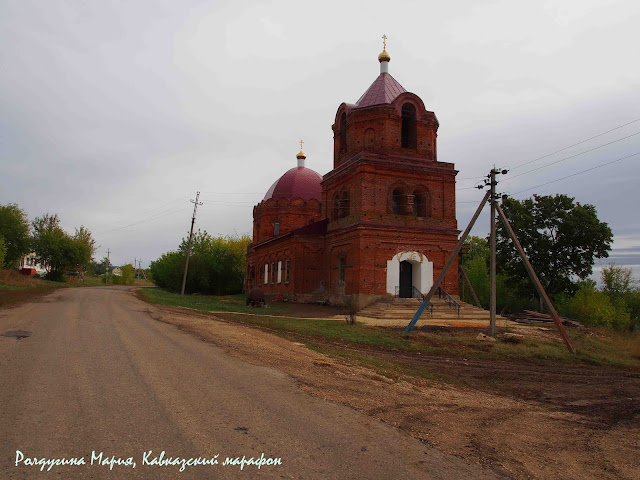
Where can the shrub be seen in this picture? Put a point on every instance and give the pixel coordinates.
(594, 308)
(632, 301)
(352, 304)
(54, 276)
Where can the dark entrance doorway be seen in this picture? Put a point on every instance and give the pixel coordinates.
(406, 280)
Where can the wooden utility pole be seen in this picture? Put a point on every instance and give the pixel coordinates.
(491, 193)
(193, 221)
(106, 272)
(536, 282)
(492, 247)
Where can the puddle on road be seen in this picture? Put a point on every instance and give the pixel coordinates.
(18, 334)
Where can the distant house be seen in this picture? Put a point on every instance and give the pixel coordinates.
(117, 271)
(31, 264)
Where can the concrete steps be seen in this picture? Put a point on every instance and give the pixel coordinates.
(405, 308)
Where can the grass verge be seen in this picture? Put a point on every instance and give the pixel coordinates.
(16, 288)
(207, 303)
(594, 347)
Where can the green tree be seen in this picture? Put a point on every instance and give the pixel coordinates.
(84, 246)
(60, 250)
(616, 280)
(560, 237)
(3, 251)
(476, 264)
(216, 265)
(476, 247)
(127, 274)
(620, 287)
(97, 268)
(14, 228)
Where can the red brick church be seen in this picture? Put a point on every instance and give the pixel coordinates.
(382, 222)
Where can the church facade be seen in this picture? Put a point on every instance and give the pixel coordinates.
(381, 223)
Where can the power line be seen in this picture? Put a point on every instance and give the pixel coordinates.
(572, 156)
(156, 208)
(578, 173)
(575, 144)
(553, 153)
(155, 217)
(142, 214)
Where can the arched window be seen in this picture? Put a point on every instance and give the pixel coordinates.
(344, 204)
(409, 126)
(419, 204)
(398, 201)
(336, 206)
(343, 132)
(368, 138)
(341, 204)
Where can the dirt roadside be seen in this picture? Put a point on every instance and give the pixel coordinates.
(521, 420)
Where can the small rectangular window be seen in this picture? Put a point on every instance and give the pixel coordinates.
(273, 272)
(279, 271)
(342, 268)
(287, 269)
(276, 229)
(266, 273)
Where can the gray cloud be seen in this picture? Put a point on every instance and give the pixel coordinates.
(114, 113)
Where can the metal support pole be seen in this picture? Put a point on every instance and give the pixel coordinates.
(536, 282)
(492, 246)
(446, 267)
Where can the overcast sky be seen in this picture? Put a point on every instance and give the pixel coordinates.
(114, 113)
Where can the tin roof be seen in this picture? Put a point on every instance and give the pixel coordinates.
(384, 89)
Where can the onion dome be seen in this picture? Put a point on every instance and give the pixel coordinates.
(384, 57)
(298, 182)
(301, 156)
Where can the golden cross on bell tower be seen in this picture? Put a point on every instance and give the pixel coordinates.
(384, 42)
(301, 142)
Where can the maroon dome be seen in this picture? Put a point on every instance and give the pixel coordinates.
(299, 182)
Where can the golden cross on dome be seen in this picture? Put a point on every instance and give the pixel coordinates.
(301, 142)
(384, 42)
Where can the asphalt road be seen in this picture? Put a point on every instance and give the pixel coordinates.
(97, 375)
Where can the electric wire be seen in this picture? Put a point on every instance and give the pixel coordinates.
(578, 173)
(479, 177)
(575, 144)
(144, 213)
(570, 157)
(163, 214)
